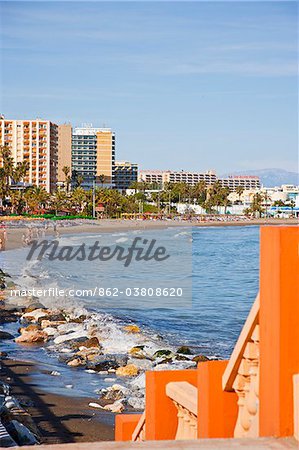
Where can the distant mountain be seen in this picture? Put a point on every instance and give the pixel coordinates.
(271, 177)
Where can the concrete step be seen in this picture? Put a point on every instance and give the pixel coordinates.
(201, 444)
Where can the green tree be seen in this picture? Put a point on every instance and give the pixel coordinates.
(101, 179)
(239, 191)
(59, 200)
(67, 178)
(7, 170)
(36, 197)
(78, 199)
(256, 206)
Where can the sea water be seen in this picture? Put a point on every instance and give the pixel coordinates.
(223, 274)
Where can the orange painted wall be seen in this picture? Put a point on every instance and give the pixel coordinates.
(125, 425)
(160, 412)
(279, 328)
(217, 410)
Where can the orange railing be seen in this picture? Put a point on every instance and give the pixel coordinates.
(256, 392)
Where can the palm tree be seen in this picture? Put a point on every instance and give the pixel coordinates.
(101, 179)
(20, 171)
(59, 200)
(266, 197)
(17, 201)
(78, 198)
(79, 180)
(292, 205)
(256, 206)
(36, 197)
(7, 169)
(239, 191)
(66, 170)
(134, 186)
(200, 192)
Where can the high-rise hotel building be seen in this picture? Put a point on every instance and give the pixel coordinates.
(35, 141)
(93, 155)
(64, 150)
(126, 173)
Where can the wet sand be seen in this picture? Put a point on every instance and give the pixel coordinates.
(59, 419)
(14, 235)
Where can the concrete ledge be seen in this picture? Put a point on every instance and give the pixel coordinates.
(222, 444)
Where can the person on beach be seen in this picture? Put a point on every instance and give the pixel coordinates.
(24, 239)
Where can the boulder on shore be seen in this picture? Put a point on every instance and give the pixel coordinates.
(79, 336)
(5, 335)
(127, 371)
(35, 315)
(89, 343)
(132, 329)
(200, 358)
(31, 337)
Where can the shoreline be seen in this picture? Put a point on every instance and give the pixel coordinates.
(79, 338)
(64, 418)
(15, 234)
(58, 419)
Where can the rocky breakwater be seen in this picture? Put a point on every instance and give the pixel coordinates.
(100, 345)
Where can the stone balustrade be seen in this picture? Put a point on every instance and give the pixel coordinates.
(139, 432)
(246, 385)
(242, 376)
(184, 397)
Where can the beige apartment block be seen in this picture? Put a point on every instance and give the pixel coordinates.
(167, 176)
(35, 141)
(64, 149)
(105, 155)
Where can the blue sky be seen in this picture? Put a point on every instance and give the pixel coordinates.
(185, 85)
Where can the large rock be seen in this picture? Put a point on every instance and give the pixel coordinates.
(76, 362)
(70, 327)
(50, 331)
(7, 316)
(5, 335)
(34, 306)
(12, 410)
(163, 354)
(139, 382)
(138, 352)
(31, 327)
(79, 335)
(45, 323)
(35, 315)
(137, 402)
(142, 364)
(21, 434)
(31, 337)
(79, 319)
(91, 343)
(200, 358)
(127, 371)
(106, 362)
(115, 392)
(86, 352)
(132, 329)
(116, 407)
(184, 350)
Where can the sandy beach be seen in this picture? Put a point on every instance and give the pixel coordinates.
(14, 234)
(59, 419)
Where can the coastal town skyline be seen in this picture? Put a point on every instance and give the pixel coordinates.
(167, 83)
